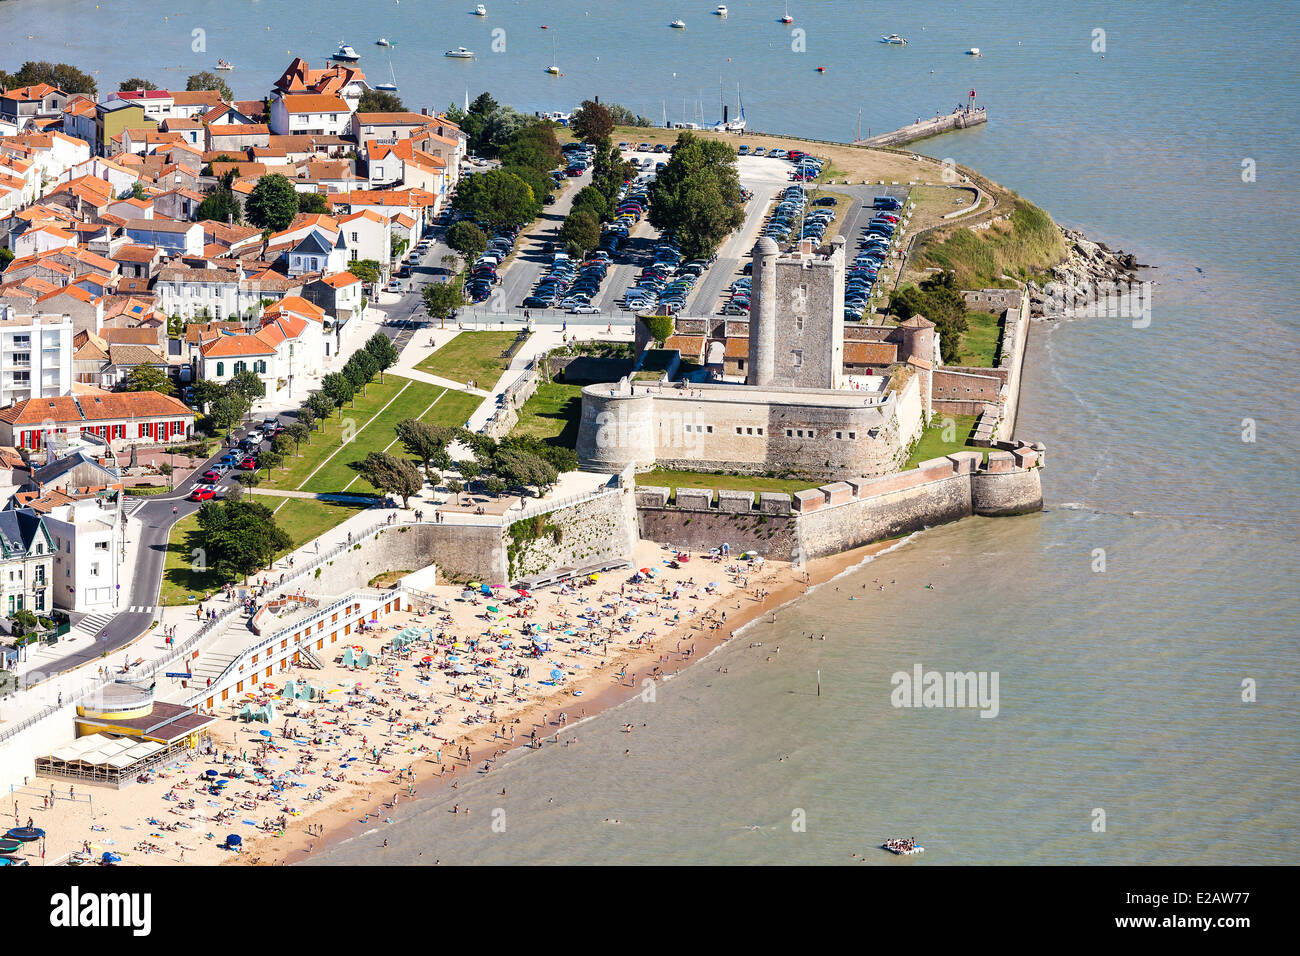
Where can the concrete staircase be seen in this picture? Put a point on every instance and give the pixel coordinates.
(92, 624)
(212, 660)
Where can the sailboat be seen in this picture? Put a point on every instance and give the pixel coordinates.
(553, 69)
(726, 125)
(787, 18)
(388, 87)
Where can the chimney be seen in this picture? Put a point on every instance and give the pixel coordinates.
(424, 111)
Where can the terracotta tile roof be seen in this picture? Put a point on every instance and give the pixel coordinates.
(340, 280)
(737, 348)
(208, 98)
(130, 336)
(691, 346)
(238, 129)
(133, 253)
(314, 103)
(297, 305)
(198, 333)
(870, 353)
(36, 91)
(76, 292)
(94, 408)
(233, 346)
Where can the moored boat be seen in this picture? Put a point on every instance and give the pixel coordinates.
(460, 53)
(894, 38)
(346, 54)
(902, 847)
(678, 24)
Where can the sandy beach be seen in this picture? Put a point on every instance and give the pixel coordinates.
(471, 681)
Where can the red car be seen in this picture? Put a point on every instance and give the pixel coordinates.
(212, 477)
(202, 493)
(248, 464)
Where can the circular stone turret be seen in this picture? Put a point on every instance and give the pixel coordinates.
(1007, 493)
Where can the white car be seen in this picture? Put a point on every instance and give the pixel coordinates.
(585, 309)
(254, 436)
(394, 286)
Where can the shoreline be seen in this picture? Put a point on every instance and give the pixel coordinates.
(338, 823)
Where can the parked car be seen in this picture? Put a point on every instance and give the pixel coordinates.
(203, 493)
(211, 476)
(255, 436)
(248, 464)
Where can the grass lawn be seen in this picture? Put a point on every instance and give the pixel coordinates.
(979, 343)
(303, 519)
(933, 443)
(701, 479)
(379, 432)
(453, 409)
(471, 355)
(325, 436)
(552, 414)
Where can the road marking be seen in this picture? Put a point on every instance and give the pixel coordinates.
(354, 435)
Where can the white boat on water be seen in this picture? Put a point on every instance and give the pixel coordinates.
(480, 11)
(390, 87)
(895, 39)
(225, 65)
(974, 51)
(678, 24)
(346, 54)
(460, 53)
(787, 18)
(721, 10)
(382, 41)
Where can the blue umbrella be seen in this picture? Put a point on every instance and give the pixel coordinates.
(212, 773)
(557, 674)
(234, 839)
(265, 733)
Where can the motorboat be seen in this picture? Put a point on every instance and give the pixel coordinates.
(553, 70)
(894, 38)
(460, 53)
(346, 54)
(382, 41)
(678, 24)
(225, 65)
(721, 10)
(480, 11)
(974, 51)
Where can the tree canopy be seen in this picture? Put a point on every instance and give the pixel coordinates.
(313, 203)
(580, 232)
(390, 474)
(442, 299)
(500, 199)
(382, 349)
(149, 378)
(467, 239)
(273, 202)
(240, 537)
(65, 76)
(592, 122)
(697, 196)
(207, 80)
(380, 101)
(136, 83)
(939, 300)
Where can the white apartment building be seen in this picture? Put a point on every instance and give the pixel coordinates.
(85, 576)
(35, 356)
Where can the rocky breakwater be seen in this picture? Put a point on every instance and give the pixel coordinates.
(1092, 277)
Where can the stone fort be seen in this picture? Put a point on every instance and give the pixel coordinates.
(800, 409)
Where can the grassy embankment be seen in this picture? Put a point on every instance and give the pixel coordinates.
(944, 436)
(1007, 253)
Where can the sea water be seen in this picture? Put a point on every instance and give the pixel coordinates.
(1122, 734)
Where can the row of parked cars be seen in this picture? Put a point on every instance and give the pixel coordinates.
(483, 273)
(667, 281)
(773, 153)
(570, 285)
(873, 248)
(578, 158)
(243, 457)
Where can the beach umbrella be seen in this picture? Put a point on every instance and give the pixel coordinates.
(467, 595)
(234, 839)
(494, 609)
(713, 584)
(593, 577)
(475, 584)
(556, 674)
(213, 773)
(110, 857)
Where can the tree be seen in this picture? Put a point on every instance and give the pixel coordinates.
(540, 183)
(367, 270)
(697, 197)
(248, 386)
(534, 146)
(240, 536)
(321, 404)
(383, 351)
(307, 418)
(622, 116)
(380, 101)
(135, 83)
(207, 80)
(423, 441)
(6, 257)
(592, 200)
(442, 299)
(659, 327)
(360, 369)
(467, 239)
(220, 205)
(313, 204)
(273, 203)
(455, 487)
(339, 389)
(592, 122)
(64, 76)
(298, 433)
(149, 378)
(390, 475)
(939, 300)
(580, 232)
(501, 200)
(269, 459)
